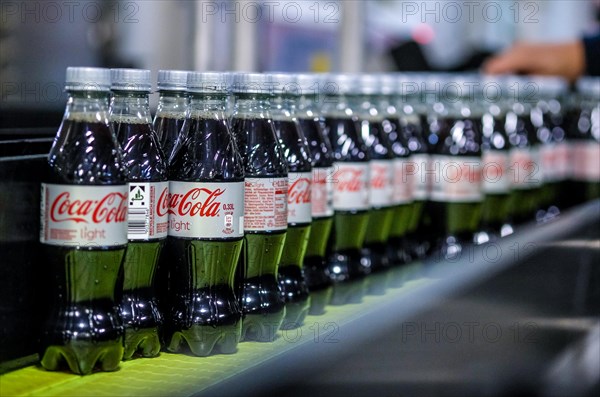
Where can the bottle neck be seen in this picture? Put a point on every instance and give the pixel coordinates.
(283, 107)
(252, 106)
(90, 106)
(408, 105)
(367, 107)
(338, 106)
(172, 102)
(387, 105)
(211, 106)
(130, 107)
(308, 106)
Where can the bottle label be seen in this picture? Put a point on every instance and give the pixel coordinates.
(351, 186)
(562, 166)
(404, 181)
(299, 197)
(266, 204)
(84, 216)
(380, 188)
(585, 157)
(204, 209)
(555, 161)
(496, 177)
(144, 221)
(420, 163)
(322, 192)
(524, 169)
(456, 179)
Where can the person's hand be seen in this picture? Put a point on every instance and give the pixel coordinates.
(566, 60)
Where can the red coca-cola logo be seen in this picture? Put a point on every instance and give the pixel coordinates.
(162, 207)
(299, 191)
(350, 180)
(198, 201)
(111, 208)
(379, 177)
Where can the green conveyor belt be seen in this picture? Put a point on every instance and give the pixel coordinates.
(182, 375)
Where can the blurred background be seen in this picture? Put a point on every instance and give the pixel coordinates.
(39, 39)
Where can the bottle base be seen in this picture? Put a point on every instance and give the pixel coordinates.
(144, 340)
(316, 273)
(295, 313)
(204, 340)
(262, 327)
(347, 265)
(398, 251)
(374, 257)
(82, 357)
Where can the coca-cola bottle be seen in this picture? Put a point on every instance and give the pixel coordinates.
(351, 188)
(381, 171)
(172, 105)
(84, 231)
(206, 210)
(316, 272)
(584, 142)
(171, 111)
(295, 149)
(547, 116)
(398, 250)
(495, 162)
(146, 172)
(412, 106)
(265, 216)
(455, 147)
(524, 165)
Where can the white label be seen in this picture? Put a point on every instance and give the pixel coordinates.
(456, 179)
(585, 157)
(84, 216)
(299, 197)
(555, 161)
(266, 204)
(404, 181)
(538, 178)
(351, 186)
(496, 177)
(205, 209)
(144, 221)
(380, 188)
(524, 170)
(322, 192)
(562, 165)
(421, 166)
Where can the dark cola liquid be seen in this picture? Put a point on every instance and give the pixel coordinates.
(167, 130)
(344, 247)
(398, 250)
(84, 153)
(139, 305)
(207, 152)
(292, 285)
(262, 306)
(83, 327)
(204, 313)
(316, 272)
(453, 223)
